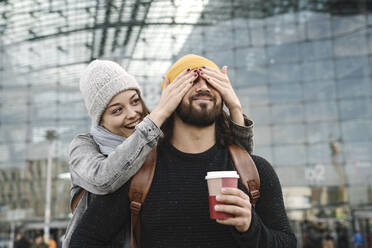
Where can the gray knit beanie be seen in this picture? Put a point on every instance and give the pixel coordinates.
(100, 82)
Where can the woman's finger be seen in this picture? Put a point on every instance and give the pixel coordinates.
(212, 70)
(224, 70)
(175, 82)
(215, 84)
(179, 78)
(180, 91)
(185, 89)
(186, 71)
(189, 77)
(219, 76)
(166, 82)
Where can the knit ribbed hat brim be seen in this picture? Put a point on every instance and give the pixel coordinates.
(191, 61)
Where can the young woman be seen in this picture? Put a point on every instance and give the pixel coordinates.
(123, 133)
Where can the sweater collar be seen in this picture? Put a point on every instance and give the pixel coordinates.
(202, 155)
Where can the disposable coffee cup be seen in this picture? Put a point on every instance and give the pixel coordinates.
(216, 181)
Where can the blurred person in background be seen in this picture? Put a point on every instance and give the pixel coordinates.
(342, 238)
(39, 242)
(328, 240)
(123, 132)
(52, 242)
(21, 241)
(358, 240)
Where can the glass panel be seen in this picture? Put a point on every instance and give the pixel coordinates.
(352, 67)
(343, 24)
(75, 110)
(255, 75)
(261, 115)
(357, 152)
(353, 45)
(356, 109)
(284, 73)
(262, 135)
(313, 71)
(354, 87)
(316, 50)
(258, 37)
(249, 58)
(286, 93)
(279, 34)
(291, 175)
(321, 111)
(323, 131)
(253, 95)
(263, 151)
(319, 91)
(289, 134)
(357, 130)
(288, 113)
(319, 153)
(319, 26)
(287, 53)
(285, 155)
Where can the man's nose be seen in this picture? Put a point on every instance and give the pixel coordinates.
(202, 85)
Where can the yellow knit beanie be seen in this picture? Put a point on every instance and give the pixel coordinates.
(191, 61)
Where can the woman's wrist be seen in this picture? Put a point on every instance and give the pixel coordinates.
(158, 116)
(236, 115)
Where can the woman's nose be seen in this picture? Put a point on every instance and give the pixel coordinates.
(131, 113)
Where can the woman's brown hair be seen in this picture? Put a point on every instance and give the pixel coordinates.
(145, 111)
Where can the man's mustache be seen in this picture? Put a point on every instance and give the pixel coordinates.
(201, 94)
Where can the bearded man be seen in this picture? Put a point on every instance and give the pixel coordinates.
(176, 210)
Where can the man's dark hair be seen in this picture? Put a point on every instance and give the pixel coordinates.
(223, 131)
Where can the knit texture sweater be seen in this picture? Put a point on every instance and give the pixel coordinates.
(176, 210)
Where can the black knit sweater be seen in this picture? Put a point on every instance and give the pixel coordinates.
(176, 212)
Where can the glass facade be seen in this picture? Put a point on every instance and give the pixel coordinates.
(300, 68)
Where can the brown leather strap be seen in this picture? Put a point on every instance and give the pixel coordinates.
(139, 188)
(76, 199)
(247, 171)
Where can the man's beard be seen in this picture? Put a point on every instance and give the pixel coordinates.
(202, 117)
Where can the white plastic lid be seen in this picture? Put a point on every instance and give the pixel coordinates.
(221, 174)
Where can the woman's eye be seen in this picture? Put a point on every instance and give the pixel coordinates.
(135, 101)
(115, 111)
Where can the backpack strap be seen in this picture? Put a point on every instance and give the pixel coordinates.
(247, 171)
(76, 199)
(138, 190)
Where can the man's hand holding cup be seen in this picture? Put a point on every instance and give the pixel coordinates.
(235, 202)
(228, 204)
